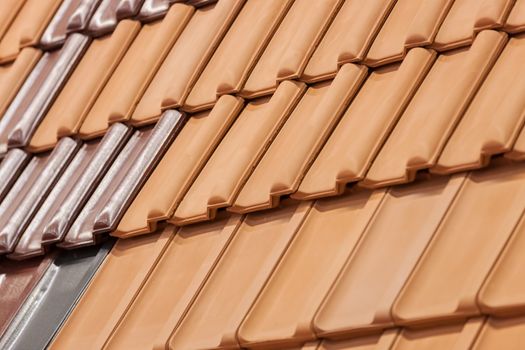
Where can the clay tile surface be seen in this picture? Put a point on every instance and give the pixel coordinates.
(135, 71)
(466, 17)
(369, 119)
(82, 88)
(235, 57)
(27, 27)
(254, 129)
(279, 172)
(111, 290)
(286, 55)
(381, 341)
(108, 13)
(348, 37)
(516, 20)
(237, 279)
(8, 11)
(413, 213)
(434, 111)
(178, 168)
(166, 296)
(186, 60)
(283, 313)
(479, 135)
(501, 334)
(475, 229)
(410, 24)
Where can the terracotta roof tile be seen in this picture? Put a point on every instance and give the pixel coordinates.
(8, 11)
(516, 20)
(381, 341)
(502, 334)
(108, 13)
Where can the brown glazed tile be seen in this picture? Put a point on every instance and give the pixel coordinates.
(178, 168)
(29, 192)
(410, 24)
(362, 297)
(453, 337)
(17, 280)
(467, 17)
(368, 120)
(186, 60)
(111, 290)
(238, 278)
(108, 14)
(423, 129)
(12, 165)
(348, 38)
(283, 313)
(508, 334)
(135, 71)
(381, 341)
(166, 296)
(480, 134)
(82, 88)
(279, 171)
(472, 235)
(153, 9)
(13, 75)
(289, 50)
(27, 27)
(516, 20)
(237, 53)
(8, 11)
(237, 155)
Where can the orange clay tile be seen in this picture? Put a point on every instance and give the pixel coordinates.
(217, 312)
(8, 11)
(381, 341)
(508, 334)
(110, 292)
(471, 236)
(166, 296)
(516, 20)
(419, 136)
(362, 297)
(467, 17)
(283, 313)
(233, 60)
(503, 291)
(348, 38)
(280, 171)
(410, 24)
(178, 168)
(237, 155)
(27, 27)
(80, 92)
(290, 48)
(186, 60)
(135, 71)
(495, 117)
(365, 125)
(451, 337)
(13, 75)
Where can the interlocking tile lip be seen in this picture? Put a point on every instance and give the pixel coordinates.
(27, 27)
(254, 129)
(237, 53)
(347, 39)
(72, 16)
(153, 9)
(30, 190)
(188, 57)
(111, 291)
(279, 172)
(479, 135)
(283, 314)
(16, 283)
(414, 212)
(8, 11)
(11, 167)
(200, 3)
(475, 229)
(381, 341)
(189, 151)
(516, 20)
(53, 298)
(83, 86)
(506, 333)
(109, 12)
(409, 24)
(369, 119)
(237, 279)
(135, 71)
(434, 111)
(165, 296)
(288, 51)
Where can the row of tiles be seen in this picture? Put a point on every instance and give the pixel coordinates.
(336, 268)
(230, 47)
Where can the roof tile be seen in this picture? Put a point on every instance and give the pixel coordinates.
(11, 167)
(501, 334)
(108, 13)
(153, 9)
(516, 20)
(8, 11)
(381, 341)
